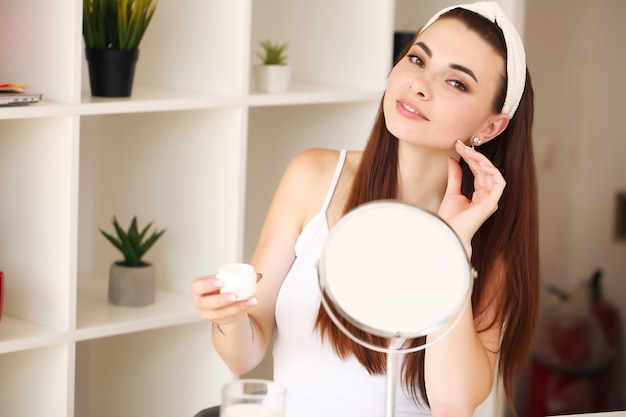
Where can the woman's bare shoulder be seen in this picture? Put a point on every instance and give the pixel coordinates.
(312, 168)
(315, 160)
(308, 177)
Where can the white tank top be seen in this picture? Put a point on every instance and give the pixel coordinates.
(319, 383)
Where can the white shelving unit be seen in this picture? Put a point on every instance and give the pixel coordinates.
(195, 149)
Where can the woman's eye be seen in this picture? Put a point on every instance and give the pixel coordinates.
(458, 85)
(416, 60)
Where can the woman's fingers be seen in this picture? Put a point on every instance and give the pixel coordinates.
(488, 181)
(214, 305)
(465, 215)
(205, 285)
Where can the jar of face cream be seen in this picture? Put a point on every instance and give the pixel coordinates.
(239, 278)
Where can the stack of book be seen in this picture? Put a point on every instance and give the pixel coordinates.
(17, 95)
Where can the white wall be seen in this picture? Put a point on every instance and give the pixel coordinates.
(412, 15)
(577, 60)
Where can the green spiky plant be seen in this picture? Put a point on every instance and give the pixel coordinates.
(132, 243)
(272, 53)
(116, 24)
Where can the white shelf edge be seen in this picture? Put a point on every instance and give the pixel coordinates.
(18, 335)
(150, 99)
(153, 99)
(96, 317)
(100, 319)
(301, 93)
(37, 110)
(133, 326)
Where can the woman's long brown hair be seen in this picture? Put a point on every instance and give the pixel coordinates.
(510, 234)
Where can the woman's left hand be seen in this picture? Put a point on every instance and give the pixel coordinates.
(463, 215)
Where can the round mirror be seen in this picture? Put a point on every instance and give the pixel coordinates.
(394, 270)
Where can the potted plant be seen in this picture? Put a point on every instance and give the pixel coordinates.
(132, 281)
(112, 30)
(273, 74)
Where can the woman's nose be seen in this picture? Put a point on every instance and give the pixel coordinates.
(421, 86)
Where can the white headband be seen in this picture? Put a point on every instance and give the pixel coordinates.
(516, 57)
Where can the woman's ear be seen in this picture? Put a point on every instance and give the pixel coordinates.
(496, 125)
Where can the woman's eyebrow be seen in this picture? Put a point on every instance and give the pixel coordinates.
(458, 67)
(465, 70)
(425, 48)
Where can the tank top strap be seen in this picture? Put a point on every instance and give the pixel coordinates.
(333, 184)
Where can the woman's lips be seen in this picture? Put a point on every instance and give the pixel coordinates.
(409, 110)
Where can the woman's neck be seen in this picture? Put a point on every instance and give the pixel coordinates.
(422, 178)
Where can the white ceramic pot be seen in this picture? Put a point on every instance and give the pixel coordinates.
(272, 78)
(132, 286)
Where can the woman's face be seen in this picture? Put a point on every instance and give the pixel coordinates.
(443, 90)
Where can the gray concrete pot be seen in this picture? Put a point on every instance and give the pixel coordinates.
(132, 286)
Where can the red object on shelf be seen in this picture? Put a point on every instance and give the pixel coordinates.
(577, 366)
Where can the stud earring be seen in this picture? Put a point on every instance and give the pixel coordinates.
(475, 141)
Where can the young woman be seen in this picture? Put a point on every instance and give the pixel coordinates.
(453, 126)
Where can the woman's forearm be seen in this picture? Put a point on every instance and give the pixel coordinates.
(240, 344)
(459, 370)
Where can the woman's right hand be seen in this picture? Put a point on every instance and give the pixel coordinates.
(215, 306)
(465, 216)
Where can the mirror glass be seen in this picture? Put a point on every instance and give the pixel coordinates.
(394, 270)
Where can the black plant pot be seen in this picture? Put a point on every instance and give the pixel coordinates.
(111, 71)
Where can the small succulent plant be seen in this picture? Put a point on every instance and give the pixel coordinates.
(273, 53)
(132, 243)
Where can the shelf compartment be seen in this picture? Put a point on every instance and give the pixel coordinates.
(35, 382)
(330, 42)
(148, 373)
(36, 162)
(40, 38)
(195, 46)
(181, 170)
